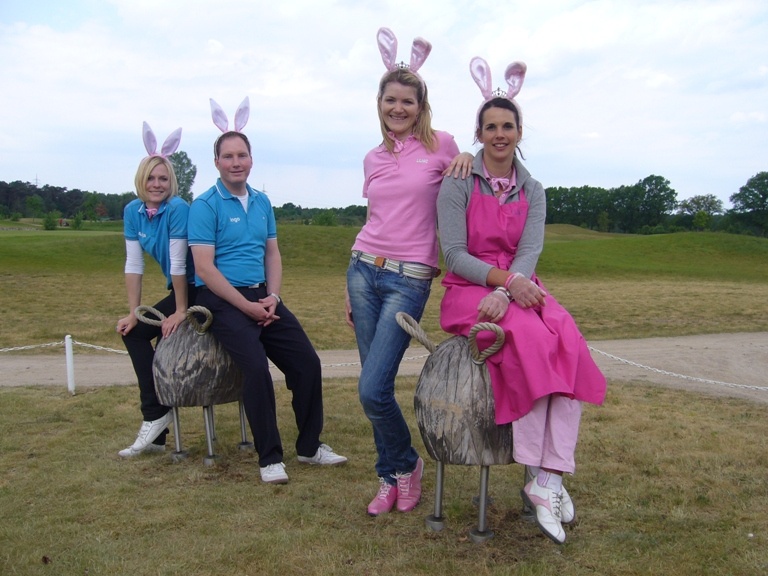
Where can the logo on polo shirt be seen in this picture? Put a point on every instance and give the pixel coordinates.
(236, 219)
(142, 234)
(422, 160)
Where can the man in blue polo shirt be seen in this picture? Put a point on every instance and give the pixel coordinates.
(238, 266)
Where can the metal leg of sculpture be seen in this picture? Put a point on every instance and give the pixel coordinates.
(527, 513)
(435, 521)
(210, 458)
(476, 500)
(178, 454)
(244, 443)
(481, 534)
(213, 424)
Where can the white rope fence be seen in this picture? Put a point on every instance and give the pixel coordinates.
(69, 344)
(682, 376)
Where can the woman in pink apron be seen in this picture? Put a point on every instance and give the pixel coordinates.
(492, 233)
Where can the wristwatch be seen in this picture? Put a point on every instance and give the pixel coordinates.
(504, 291)
(276, 297)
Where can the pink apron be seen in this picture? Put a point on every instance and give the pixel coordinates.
(544, 352)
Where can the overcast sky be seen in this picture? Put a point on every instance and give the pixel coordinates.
(616, 90)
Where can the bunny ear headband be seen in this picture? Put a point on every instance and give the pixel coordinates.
(241, 115)
(169, 146)
(388, 48)
(514, 75)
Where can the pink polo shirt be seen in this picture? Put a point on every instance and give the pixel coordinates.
(402, 200)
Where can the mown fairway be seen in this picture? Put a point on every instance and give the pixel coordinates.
(67, 282)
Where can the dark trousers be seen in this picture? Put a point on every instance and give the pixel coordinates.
(138, 342)
(285, 343)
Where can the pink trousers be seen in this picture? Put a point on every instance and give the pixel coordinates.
(546, 436)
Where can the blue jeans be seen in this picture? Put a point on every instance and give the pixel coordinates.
(376, 295)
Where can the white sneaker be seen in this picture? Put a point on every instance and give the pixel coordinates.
(567, 511)
(325, 456)
(148, 432)
(150, 449)
(274, 474)
(546, 504)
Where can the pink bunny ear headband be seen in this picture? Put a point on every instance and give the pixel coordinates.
(170, 145)
(514, 75)
(241, 116)
(388, 48)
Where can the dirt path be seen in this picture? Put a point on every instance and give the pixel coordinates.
(738, 359)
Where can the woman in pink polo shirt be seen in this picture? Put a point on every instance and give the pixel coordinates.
(394, 260)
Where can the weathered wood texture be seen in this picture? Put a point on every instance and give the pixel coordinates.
(455, 409)
(192, 369)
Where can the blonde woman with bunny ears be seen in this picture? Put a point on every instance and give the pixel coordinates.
(394, 259)
(492, 232)
(155, 223)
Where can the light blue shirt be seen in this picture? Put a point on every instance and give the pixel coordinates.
(218, 219)
(154, 236)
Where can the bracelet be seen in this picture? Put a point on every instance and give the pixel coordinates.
(276, 297)
(504, 291)
(510, 278)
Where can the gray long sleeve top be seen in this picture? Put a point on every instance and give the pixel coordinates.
(452, 203)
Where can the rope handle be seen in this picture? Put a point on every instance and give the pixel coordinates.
(413, 328)
(141, 312)
(477, 356)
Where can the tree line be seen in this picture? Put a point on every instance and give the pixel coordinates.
(648, 207)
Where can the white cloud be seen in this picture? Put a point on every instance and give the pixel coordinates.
(616, 90)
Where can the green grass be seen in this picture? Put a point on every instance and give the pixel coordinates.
(669, 483)
(705, 256)
(616, 286)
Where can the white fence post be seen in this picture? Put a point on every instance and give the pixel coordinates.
(70, 364)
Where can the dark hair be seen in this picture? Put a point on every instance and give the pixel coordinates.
(498, 102)
(226, 136)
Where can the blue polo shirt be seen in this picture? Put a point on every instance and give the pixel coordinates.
(154, 236)
(217, 218)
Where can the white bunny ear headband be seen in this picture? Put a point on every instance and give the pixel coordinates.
(388, 47)
(170, 145)
(514, 75)
(241, 116)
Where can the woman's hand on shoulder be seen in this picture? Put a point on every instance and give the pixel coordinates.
(461, 166)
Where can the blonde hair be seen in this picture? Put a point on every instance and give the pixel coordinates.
(422, 130)
(145, 169)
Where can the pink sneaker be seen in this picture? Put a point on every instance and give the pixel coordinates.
(546, 506)
(384, 500)
(409, 488)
